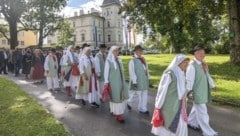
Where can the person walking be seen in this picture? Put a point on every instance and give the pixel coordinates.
(115, 80)
(100, 60)
(170, 102)
(139, 80)
(51, 71)
(199, 83)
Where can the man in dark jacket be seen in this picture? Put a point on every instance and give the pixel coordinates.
(1, 60)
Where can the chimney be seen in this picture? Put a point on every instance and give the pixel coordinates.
(81, 12)
(75, 14)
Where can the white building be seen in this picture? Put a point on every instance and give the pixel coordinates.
(96, 28)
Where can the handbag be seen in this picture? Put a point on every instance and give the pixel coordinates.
(106, 93)
(157, 118)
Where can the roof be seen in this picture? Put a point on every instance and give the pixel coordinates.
(109, 2)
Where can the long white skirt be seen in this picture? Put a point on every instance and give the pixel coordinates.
(199, 118)
(117, 108)
(182, 129)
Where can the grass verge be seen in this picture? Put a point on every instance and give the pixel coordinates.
(20, 115)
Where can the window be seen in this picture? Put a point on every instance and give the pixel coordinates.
(99, 24)
(49, 41)
(107, 12)
(22, 42)
(119, 38)
(74, 24)
(21, 34)
(4, 42)
(99, 37)
(119, 24)
(109, 38)
(82, 37)
(108, 24)
(74, 38)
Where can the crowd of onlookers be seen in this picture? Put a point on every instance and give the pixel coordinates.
(25, 61)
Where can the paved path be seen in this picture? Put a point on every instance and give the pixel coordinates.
(84, 121)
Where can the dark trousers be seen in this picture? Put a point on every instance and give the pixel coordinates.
(4, 66)
(17, 67)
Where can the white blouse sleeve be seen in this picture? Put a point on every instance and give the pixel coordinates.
(162, 90)
(132, 73)
(190, 77)
(46, 66)
(106, 72)
(97, 65)
(81, 65)
(210, 81)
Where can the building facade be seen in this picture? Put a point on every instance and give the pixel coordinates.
(25, 38)
(96, 28)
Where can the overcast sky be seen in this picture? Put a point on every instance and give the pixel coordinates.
(76, 5)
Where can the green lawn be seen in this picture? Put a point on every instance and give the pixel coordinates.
(20, 115)
(225, 75)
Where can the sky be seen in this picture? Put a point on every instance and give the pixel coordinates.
(76, 5)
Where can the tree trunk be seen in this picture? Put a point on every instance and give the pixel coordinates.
(234, 25)
(42, 23)
(13, 34)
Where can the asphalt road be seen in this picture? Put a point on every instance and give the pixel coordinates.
(85, 121)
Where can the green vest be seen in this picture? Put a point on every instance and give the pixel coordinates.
(172, 103)
(87, 71)
(102, 66)
(53, 67)
(201, 90)
(142, 77)
(119, 90)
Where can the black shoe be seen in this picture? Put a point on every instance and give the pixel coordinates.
(94, 105)
(121, 121)
(83, 102)
(50, 90)
(194, 128)
(144, 112)
(129, 107)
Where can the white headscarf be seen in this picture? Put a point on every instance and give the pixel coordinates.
(181, 88)
(84, 58)
(111, 56)
(69, 53)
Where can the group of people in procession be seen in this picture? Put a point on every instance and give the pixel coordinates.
(88, 76)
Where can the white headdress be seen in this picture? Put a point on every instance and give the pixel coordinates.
(69, 53)
(174, 66)
(111, 56)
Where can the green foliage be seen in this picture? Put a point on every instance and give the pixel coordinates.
(43, 15)
(184, 23)
(20, 115)
(225, 75)
(12, 11)
(66, 33)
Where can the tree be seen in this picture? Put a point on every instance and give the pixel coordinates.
(12, 11)
(185, 23)
(234, 26)
(66, 34)
(43, 15)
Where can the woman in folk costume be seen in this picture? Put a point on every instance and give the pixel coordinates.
(139, 80)
(51, 71)
(170, 101)
(70, 63)
(89, 86)
(37, 69)
(114, 78)
(199, 82)
(100, 59)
